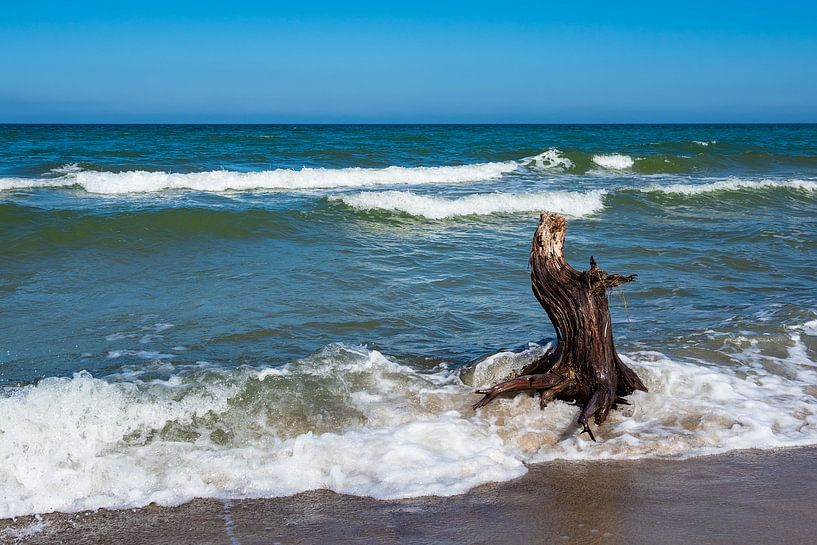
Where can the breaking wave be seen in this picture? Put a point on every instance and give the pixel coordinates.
(550, 159)
(734, 184)
(551, 162)
(564, 202)
(354, 421)
(614, 161)
(112, 183)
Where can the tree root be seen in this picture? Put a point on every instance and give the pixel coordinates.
(549, 384)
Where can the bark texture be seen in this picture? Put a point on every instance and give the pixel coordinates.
(583, 367)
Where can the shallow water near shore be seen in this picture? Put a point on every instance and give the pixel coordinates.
(256, 311)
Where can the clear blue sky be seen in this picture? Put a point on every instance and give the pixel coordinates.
(418, 61)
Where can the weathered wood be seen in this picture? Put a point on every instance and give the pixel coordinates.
(583, 367)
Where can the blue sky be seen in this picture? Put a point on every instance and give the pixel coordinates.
(417, 61)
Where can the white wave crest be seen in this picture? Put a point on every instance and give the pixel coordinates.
(280, 179)
(614, 161)
(68, 168)
(547, 160)
(368, 426)
(32, 183)
(351, 420)
(731, 185)
(564, 202)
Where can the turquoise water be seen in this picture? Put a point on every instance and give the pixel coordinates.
(192, 292)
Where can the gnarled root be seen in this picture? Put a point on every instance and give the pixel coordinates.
(549, 383)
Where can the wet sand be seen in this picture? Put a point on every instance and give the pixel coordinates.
(750, 497)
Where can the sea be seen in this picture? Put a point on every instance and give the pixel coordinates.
(244, 311)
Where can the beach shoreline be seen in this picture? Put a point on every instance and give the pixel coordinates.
(758, 496)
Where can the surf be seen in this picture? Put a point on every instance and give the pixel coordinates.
(356, 421)
(118, 183)
(574, 204)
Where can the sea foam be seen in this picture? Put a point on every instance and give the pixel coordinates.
(354, 421)
(347, 419)
(280, 179)
(564, 202)
(810, 328)
(734, 184)
(549, 159)
(21, 534)
(614, 161)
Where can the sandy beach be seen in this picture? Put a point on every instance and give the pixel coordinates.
(739, 498)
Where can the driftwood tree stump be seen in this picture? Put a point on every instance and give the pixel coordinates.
(583, 367)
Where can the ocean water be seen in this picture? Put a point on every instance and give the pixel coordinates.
(251, 311)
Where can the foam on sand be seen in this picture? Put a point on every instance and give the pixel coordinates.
(614, 161)
(22, 533)
(571, 203)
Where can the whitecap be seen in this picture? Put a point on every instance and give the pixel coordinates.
(614, 161)
(547, 160)
(280, 179)
(571, 203)
(67, 168)
(732, 184)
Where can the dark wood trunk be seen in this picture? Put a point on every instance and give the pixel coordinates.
(583, 367)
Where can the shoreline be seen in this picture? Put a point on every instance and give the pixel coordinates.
(756, 496)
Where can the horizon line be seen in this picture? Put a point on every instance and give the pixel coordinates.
(404, 123)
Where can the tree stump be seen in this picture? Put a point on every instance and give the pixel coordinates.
(583, 367)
